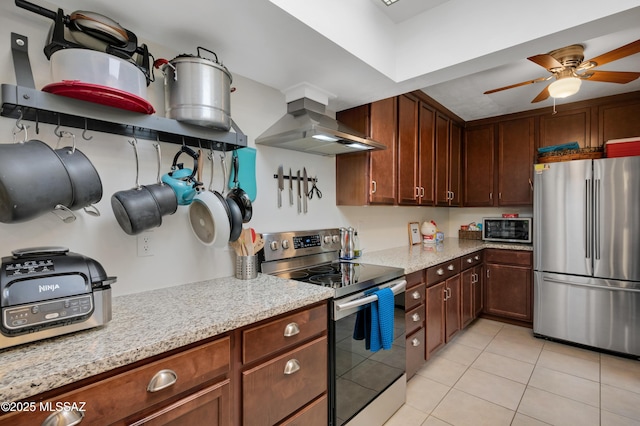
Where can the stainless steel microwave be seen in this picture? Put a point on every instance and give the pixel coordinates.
(507, 229)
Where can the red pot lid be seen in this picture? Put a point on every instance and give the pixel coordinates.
(101, 95)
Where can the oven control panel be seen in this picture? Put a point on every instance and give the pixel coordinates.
(285, 245)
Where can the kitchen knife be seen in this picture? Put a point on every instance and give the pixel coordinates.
(299, 194)
(306, 189)
(280, 185)
(290, 187)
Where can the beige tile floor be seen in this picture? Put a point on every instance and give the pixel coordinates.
(499, 374)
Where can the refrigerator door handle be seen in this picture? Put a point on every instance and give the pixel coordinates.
(596, 219)
(587, 219)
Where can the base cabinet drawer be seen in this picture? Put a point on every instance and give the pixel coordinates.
(210, 406)
(277, 388)
(314, 414)
(415, 352)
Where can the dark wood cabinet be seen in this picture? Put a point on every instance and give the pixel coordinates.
(415, 151)
(479, 166)
(471, 287)
(443, 295)
(619, 120)
(566, 126)
(414, 321)
(448, 143)
(453, 322)
(371, 176)
(435, 315)
(516, 140)
(508, 284)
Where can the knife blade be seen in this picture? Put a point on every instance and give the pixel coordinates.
(280, 184)
(299, 194)
(306, 189)
(290, 187)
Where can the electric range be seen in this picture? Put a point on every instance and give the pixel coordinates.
(365, 387)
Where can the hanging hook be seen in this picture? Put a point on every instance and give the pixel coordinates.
(19, 124)
(56, 130)
(20, 129)
(84, 133)
(37, 123)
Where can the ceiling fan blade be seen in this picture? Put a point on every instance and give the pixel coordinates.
(542, 95)
(619, 53)
(546, 61)
(524, 83)
(620, 77)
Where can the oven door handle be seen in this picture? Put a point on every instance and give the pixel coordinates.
(398, 287)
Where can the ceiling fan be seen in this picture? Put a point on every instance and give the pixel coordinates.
(569, 68)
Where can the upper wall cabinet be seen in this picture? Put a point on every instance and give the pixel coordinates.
(365, 178)
(415, 151)
(566, 126)
(499, 173)
(620, 120)
(447, 161)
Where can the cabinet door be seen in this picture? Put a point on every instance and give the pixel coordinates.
(452, 317)
(619, 121)
(508, 291)
(415, 352)
(434, 319)
(383, 123)
(566, 126)
(467, 308)
(442, 160)
(478, 291)
(427, 118)
(515, 162)
(353, 170)
(455, 158)
(210, 406)
(408, 159)
(479, 166)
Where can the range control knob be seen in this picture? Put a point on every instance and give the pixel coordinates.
(327, 239)
(285, 244)
(274, 245)
(336, 239)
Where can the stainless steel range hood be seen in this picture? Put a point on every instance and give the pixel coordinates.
(307, 128)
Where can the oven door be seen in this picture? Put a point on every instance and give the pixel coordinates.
(359, 376)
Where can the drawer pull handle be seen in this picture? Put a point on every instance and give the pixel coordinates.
(415, 342)
(415, 295)
(415, 317)
(291, 366)
(162, 380)
(477, 257)
(440, 271)
(451, 267)
(64, 418)
(291, 329)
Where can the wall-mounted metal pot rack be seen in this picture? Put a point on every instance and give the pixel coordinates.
(33, 105)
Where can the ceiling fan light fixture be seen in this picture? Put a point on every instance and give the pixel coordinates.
(564, 87)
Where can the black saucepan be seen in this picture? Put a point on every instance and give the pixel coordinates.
(236, 219)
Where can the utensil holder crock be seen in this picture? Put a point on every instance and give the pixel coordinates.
(246, 267)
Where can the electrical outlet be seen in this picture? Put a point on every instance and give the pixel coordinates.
(145, 245)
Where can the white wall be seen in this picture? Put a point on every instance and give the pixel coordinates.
(178, 256)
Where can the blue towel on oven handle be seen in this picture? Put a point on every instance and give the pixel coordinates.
(382, 320)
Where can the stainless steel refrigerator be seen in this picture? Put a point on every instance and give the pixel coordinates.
(587, 253)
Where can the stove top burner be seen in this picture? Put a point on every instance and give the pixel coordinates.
(328, 280)
(345, 277)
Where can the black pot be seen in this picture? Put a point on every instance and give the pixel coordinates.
(136, 210)
(33, 181)
(235, 219)
(85, 180)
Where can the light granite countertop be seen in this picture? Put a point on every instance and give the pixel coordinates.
(417, 257)
(149, 323)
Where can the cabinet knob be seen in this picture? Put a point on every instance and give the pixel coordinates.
(64, 417)
(291, 329)
(291, 366)
(469, 260)
(415, 317)
(415, 295)
(477, 257)
(440, 271)
(415, 342)
(162, 380)
(451, 267)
